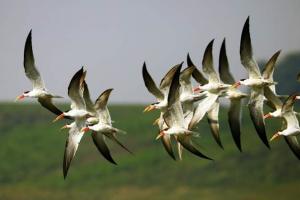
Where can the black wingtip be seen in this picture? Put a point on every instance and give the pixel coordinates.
(189, 61)
(223, 46)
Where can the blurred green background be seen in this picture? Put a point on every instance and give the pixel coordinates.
(31, 153)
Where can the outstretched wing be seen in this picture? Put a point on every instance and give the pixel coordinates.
(208, 65)
(29, 65)
(46, 102)
(150, 84)
(256, 112)
(98, 139)
(246, 53)
(224, 71)
(72, 143)
(213, 120)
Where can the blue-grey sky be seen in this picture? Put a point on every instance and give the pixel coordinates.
(113, 38)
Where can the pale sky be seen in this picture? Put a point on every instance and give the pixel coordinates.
(113, 39)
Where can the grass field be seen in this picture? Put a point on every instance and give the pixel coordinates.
(31, 152)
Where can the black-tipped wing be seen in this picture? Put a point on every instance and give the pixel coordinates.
(269, 67)
(29, 65)
(234, 119)
(199, 77)
(256, 112)
(98, 140)
(273, 101)
(246, 53)
(87, 99)
(186, 74)
(187, 143)
(293, 143)
(71, 146)
(224, 71)
(102, 100)
(75, 89)
(204, 106)
(213, 120)
(288, 105)
(167, 79)
(150, 84)
(166, 141)
(46, 102)
(208, 64)
(114, 138)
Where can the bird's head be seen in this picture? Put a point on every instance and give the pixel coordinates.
(239, 83)
(161, 133)
(150, 107)
(197, 89)
(22, 96)
(85, 129)
(268, 115)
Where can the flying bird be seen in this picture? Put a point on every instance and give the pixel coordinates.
(234, 95)
(39, 90)
(79, 113)
(213, 90)
(256, 82)
(103, 128)
(161, 95)
(288, 113)
(174, 118)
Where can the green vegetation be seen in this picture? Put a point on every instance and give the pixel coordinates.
(31, 152)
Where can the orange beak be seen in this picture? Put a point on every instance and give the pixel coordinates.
(61, 116)
(196, 89)
(236, 85)
(275, 136)
(267, 116)
(149, 108)
(20, 97)
(162, 133)
(85, 129)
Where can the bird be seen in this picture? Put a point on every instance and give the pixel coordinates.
(234, 95)
(213, 90)
(161, 95)
(75, 92)
(289, 113)
(256, 82)
(173, 117)
(78, 112)
(103, 128)
(39, 90)
(291, 121)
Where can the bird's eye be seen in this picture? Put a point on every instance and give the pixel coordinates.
(242, 79)
(26, 92)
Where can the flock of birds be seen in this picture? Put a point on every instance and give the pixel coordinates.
(85, 114)
(181, 106)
